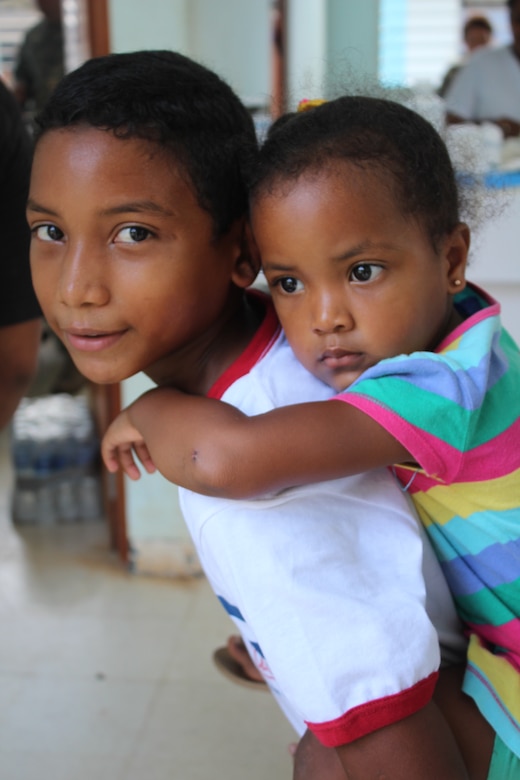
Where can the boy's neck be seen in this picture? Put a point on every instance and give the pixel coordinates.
(196, 368)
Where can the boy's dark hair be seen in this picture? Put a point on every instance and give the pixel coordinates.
(374, 134)
(170, 100)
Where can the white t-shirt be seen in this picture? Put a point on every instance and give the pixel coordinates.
(488, 87)
(324, 582)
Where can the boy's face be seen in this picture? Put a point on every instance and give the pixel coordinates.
(123, 258)
(353, 280)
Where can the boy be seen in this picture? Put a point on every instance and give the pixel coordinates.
(140, 261)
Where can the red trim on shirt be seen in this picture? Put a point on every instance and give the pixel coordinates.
(257, 347)
(374, 715)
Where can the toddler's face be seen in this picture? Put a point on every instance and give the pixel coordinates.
(353, 280)
(123, 258)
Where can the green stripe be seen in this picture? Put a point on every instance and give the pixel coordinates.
(493, 603)
(446, 417)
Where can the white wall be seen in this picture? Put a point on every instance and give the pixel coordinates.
(332, 46)
(230, 36)
(419, 40)
(158, 537)
(306, 42)
(494, 257)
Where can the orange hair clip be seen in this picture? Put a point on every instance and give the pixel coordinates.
(305, 105)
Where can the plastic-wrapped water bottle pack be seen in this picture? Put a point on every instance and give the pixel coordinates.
(55, 453)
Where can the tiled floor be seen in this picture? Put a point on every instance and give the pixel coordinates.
(108, 676)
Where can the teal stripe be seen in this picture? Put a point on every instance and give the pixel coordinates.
(473, 345)
(479, 530)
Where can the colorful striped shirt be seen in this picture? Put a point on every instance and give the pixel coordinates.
(457, 411)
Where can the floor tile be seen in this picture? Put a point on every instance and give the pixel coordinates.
(105, 675)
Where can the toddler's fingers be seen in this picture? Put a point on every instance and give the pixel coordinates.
(109, 456)
(143, 453)
(127, 462)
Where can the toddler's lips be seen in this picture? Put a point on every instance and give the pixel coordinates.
(92, 341)
(341, 358)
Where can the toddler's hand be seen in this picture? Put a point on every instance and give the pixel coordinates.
(119, 444)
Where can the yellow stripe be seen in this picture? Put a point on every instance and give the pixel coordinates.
(466, 498)
(452, 346)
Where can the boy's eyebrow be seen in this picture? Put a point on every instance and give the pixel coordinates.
(138, 206)
(34, 206)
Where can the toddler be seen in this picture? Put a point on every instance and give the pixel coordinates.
(354, 208)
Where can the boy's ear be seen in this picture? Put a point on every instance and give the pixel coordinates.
(456, 253)
(247, 263)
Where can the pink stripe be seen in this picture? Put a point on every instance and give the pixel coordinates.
(422, 446)
(506, 636)
(496, 458)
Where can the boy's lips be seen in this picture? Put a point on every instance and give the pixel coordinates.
(90, 340)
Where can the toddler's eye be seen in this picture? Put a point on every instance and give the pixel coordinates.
(289, 284)
(365, 272)
(133, 234)
(48, 233)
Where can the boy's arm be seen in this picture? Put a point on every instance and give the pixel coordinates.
(420, 746)
(18, 362)
(212, 448)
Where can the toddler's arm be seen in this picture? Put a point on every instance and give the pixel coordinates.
(212, 448)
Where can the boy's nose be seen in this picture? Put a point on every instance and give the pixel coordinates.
(81, 283)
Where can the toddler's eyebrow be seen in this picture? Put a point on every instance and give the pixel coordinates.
(361, 248)
(349, 254)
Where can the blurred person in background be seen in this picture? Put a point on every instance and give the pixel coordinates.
(20, 316)
(40, 61)
(487, 88)
(477, 34)
(39, 68)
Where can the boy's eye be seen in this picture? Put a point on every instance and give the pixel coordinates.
(133, 234)
(48, 233)
(365, 272)
(289, 284)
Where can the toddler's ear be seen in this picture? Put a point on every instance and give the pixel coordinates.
(247, 263)
(456, 251)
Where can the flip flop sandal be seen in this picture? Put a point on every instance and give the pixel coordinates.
(233, 671)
